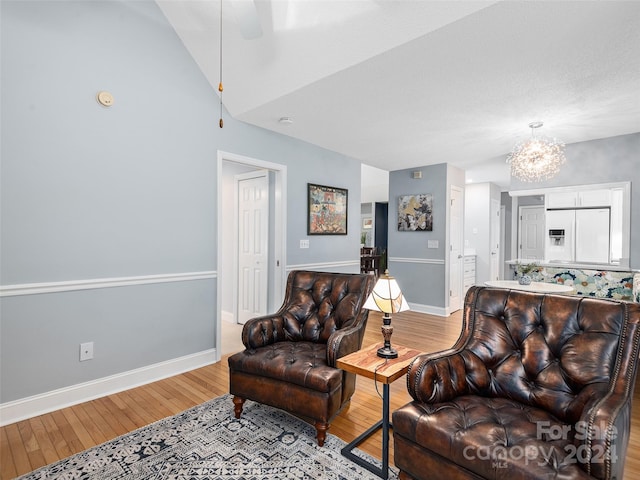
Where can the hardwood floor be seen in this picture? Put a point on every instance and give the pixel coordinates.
(32, 443)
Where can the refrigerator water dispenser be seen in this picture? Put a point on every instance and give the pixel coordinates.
(556, 236)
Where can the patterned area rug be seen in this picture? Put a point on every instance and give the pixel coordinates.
(208, 442)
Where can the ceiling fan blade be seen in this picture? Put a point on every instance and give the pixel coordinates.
(247, 18)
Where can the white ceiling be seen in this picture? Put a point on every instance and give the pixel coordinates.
(406, 83)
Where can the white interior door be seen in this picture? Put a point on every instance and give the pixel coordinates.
(494, 234)
(531, 233)
(253, 244)
(456, 264)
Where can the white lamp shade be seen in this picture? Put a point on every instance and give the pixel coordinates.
(386, 296)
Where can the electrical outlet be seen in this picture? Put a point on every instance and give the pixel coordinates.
(86, 351)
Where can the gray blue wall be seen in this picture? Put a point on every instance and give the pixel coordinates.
(422, 272)
(90, 192)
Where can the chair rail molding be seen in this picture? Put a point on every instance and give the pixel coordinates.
(96, 283)
(430, 261)
(324, 265)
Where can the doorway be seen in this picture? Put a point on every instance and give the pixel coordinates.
(456, 249)
(494, 238)
(231, 168)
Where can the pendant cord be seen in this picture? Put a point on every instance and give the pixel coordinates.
(220, 88)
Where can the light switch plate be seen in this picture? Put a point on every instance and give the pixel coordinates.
(304, 243)
(432, 243)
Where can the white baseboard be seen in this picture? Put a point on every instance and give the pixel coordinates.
(227, 317)
(14, 411)
(431, 310)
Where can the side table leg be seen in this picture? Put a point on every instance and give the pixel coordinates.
(383, 424)
(385, 431)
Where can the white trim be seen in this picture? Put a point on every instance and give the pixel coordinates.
(14, 411)
(89, 284)
(431, 261)
(430, 309)
(320, 266)
(278, 276)
(569, 188)
(228, 317)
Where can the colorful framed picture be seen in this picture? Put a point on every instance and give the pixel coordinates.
(415, 213)
(327, 210)
(367, 223)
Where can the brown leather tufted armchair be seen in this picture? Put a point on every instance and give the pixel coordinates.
(290, 356)
(538, 386)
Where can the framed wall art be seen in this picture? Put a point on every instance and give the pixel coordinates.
(367, 223)
(415, 213)
(327, 210)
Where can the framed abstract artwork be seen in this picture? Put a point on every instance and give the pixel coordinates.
(326, 210)
(415, 213)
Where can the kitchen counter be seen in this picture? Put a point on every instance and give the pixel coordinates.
(540, 287)
(588, 279)
(575, 266)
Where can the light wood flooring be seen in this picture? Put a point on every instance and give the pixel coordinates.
(29, 444)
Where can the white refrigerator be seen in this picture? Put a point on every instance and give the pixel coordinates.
(578, 235)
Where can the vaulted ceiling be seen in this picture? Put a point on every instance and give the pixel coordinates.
(406, 83)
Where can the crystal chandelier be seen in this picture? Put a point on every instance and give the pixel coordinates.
(539, 158)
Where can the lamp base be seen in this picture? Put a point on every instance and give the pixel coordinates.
(387, 352)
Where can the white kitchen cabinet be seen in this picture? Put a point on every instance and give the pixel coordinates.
(469, 272)
(580, 199)
(562, 199)
(595, 198)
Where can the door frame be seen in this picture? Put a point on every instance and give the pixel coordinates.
(494, 236)
(277, 272)
(503, 239)
(453, 308)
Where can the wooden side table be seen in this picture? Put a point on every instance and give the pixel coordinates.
(367, 363)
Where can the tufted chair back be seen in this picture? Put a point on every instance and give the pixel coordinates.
(548, 375)
(290, 357)
(316, 304)
(552, 352)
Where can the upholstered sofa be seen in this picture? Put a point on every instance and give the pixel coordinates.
(538, 386)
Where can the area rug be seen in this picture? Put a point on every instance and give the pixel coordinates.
(208, 442)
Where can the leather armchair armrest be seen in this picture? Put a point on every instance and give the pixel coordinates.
(601, 434)
(343, 342)
(442, 376)
(261, 331)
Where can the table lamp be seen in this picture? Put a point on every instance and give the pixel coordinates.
(387, 298)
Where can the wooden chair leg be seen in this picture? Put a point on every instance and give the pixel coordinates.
(238, 403)
(321, 429)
